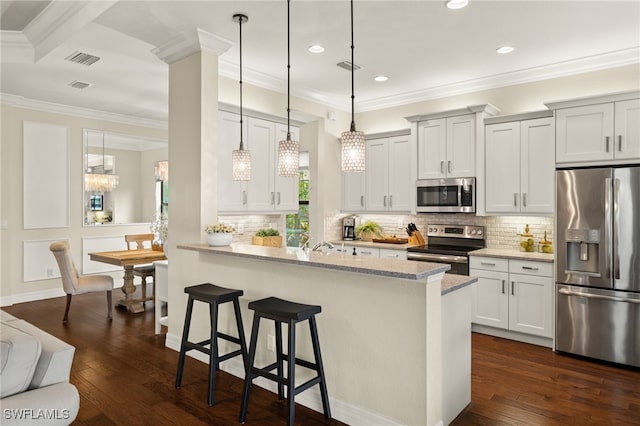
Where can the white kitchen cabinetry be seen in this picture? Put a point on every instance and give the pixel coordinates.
(519, 165)
(353, 185)
(514, 295)
(388, 174)
(266, 191)
(371, 251)
(593, 131)
(446, 147)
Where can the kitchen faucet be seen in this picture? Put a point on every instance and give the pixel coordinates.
(321, 244)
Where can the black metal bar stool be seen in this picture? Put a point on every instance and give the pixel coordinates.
(214, 296)
(283, 311)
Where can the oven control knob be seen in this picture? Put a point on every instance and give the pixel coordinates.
(473, 232)
(479, 231)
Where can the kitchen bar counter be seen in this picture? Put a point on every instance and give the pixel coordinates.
(383, 326)
(513, 254)
(337, 261)
(371, 244)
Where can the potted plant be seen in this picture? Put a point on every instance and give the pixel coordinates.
(219, 234)
(368, 230)
(267, 237)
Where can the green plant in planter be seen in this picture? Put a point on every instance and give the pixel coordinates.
(267, 232)
(368, 230)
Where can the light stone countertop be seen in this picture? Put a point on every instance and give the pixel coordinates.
(513, 254)
(452, 282)
(370, 244)
(404, 269)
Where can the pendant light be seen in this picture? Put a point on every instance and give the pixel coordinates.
(353, 146)
(99, 182)
(241, 158)
(288, 150)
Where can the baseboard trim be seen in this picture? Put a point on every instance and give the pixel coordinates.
(513, 335)
(340, 410)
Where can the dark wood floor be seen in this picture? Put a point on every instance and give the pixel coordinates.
(125, 376)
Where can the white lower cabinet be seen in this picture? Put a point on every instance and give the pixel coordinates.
(371, 252)
(514, 295)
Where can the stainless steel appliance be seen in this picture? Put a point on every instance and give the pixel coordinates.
(449, 244)
(598, 263)
(349, 228)
(446, 195)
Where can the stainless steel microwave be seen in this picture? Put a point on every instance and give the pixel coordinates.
(446, 195)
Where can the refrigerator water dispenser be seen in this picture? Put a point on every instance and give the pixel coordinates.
(583, 251)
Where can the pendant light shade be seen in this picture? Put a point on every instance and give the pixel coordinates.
(288, 149)
(99, 182)
(241, 158)
(353, 146)
(161, 170)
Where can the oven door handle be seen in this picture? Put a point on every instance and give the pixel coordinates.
(443, 258)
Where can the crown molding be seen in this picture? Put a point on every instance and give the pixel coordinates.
(189, 42)
(15, 47)
(562, 69)
(59, 21)
(36, 105)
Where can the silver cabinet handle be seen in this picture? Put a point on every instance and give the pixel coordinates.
(362, 201)
(606, 139)
(244, 198)
(597, 296)
(515, 199)
(390, 200)
(442, 167)
(513, 288)
(449, 166)
(488, 263)
(392, 255)
(384, 202)
(530, 268)
(273, 198)
(502, 286)
(365, 252)
(619, 142)
(524, 199)
(278, 202)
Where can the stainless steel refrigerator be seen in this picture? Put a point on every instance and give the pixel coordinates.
(598, 263)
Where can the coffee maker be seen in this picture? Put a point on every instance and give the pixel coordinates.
(349, 228)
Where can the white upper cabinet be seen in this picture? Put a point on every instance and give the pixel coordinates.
(519, 167)
(388, 185)
(446, 147)
(266, 191)
(627, 129)
(598, 130)
(232, 195)
(353, 185)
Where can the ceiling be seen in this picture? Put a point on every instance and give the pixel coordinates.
(426, 50)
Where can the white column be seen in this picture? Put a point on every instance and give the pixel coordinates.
(193, 149)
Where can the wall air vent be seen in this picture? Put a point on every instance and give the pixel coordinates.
(347, 65)
(79, 84)
(82, 58)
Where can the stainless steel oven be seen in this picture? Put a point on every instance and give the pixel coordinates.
(449, 244)
(446, 195)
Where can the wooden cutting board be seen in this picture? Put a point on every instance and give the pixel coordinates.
(391, 240)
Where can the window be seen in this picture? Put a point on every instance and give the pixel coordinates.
(298, 224)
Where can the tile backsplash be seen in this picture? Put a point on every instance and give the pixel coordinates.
(501, 231)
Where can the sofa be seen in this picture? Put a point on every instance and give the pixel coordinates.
(34, 376)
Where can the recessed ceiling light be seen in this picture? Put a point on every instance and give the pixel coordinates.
(381, 78)
(316, 48)
(505, 49)
(456, 4)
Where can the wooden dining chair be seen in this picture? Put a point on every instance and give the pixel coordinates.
(137, 242)
(73, 283)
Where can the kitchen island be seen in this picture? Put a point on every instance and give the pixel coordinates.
(381, 326)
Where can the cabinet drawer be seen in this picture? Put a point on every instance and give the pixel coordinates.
(393, 254)
(489, 263)
(528, 267)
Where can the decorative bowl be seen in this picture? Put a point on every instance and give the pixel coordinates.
(219, 238)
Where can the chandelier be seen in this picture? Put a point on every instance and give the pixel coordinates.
(99, 182)
(161, 170)
(353, 145)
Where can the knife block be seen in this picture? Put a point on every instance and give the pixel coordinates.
(416, 239)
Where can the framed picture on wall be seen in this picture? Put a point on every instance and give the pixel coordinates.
(96, 203)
